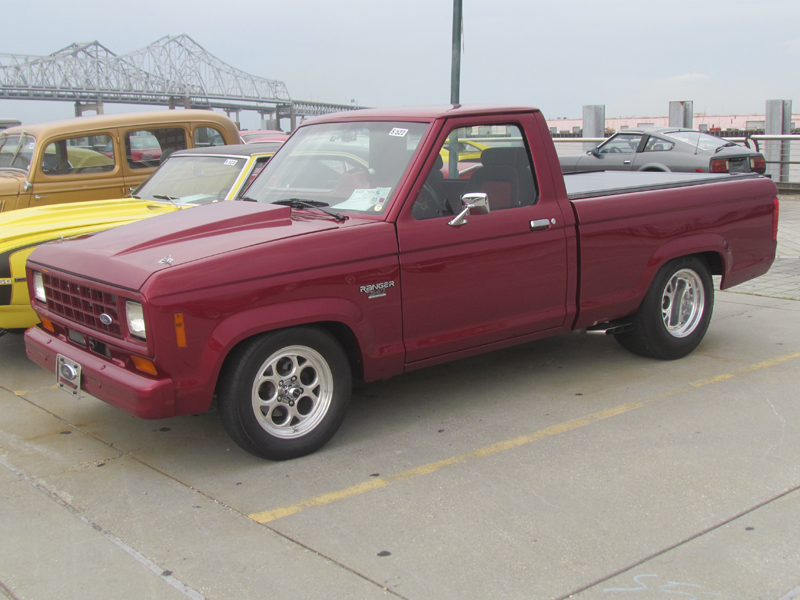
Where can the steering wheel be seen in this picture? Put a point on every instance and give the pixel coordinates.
(614, 150)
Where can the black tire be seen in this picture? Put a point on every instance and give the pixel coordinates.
(666, 329)
(284, 394)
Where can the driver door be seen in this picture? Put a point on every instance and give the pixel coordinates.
(495, 277)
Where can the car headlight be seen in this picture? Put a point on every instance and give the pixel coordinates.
(38, 287)
(135, 316)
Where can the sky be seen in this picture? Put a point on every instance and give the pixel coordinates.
(633, 56)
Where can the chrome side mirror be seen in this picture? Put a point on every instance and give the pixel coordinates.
(474, 204)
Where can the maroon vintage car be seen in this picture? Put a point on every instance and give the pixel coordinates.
(358, 254)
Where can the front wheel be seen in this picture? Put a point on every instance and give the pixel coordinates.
(674, 315)
(284, 394)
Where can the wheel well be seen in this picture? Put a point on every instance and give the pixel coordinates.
(343, 334)
(714, 262)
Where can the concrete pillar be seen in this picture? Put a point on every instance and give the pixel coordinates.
(594, 123)
(97, 107)
(681, 113)
(228, 112)
(779, 122)
(187, 103)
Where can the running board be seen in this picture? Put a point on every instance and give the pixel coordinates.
(610, 328)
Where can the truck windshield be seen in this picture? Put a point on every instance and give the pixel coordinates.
(353, 167)
(16, 151)
(193, 179)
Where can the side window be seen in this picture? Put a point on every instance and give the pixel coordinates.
(624, 143)
(655, 144)
(148, 148)
(87, 154)
(208, 136)
(490, 159)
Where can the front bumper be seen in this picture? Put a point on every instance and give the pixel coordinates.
(140, 395)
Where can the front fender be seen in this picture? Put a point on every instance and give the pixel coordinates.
(381, 348)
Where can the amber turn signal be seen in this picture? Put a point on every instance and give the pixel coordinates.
(144, 365)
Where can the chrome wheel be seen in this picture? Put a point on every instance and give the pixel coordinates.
(682, 303)
(292, 392)
(674, 315)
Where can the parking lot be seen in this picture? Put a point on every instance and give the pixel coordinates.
(562, 468)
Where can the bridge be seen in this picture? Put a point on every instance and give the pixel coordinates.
(173, 71)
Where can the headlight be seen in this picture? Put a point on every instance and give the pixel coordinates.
(38, 287)
(135, 316)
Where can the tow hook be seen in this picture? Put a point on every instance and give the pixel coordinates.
(289, 391)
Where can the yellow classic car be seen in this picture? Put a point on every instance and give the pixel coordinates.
(187, 178)
(468, 151)
(98, 157)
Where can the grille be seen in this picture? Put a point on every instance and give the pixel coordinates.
(82, 304)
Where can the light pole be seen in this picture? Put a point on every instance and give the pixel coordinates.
(455, 72)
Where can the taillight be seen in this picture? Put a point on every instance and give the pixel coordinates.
(718, 165)
(758, 164)
(775, 207)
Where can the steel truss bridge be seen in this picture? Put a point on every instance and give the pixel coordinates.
(173, 71)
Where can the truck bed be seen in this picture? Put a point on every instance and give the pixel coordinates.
(606, 183)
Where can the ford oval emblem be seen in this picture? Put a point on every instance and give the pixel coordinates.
(106, 319)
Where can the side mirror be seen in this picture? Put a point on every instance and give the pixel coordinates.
(595, 151)
(474, 204)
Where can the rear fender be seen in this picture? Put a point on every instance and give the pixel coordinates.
(653, 167)
(693, 244)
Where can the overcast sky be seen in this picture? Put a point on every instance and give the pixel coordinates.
(634, 56)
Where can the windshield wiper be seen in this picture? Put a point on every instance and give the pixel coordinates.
(728, 145)
(300, 203)
(164, 197)
(247, 199)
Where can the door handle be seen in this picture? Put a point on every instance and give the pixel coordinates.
(38, 197)
(540, 224)
(626, 162)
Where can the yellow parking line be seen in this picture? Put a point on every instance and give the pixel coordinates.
(380, 482)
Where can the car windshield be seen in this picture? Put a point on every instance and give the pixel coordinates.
(193, 179)
(352, 167)
(16, 151)
(703, 141)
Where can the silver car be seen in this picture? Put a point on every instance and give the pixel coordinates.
(666, 149)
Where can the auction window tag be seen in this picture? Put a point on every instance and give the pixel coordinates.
(397, 132)
(231, 162)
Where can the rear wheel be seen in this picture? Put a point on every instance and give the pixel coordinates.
(674, 316)
(285, 394)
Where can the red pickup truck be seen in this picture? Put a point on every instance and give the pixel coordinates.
(359, 253)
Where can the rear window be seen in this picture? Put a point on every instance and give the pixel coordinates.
(147, 148)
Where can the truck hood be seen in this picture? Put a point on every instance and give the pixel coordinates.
(127, 256)
(28, 226)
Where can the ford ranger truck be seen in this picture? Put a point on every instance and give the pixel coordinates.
(359, 253)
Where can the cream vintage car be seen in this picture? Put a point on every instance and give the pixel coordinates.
(98, 157)
(187, 178)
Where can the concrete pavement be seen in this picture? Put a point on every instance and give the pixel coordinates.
(562, 468)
